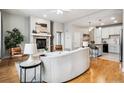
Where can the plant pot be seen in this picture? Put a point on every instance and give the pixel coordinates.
(14, 51)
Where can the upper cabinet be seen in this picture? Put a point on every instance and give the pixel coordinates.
(105, 32)
(97, 36)
(113, 30)
(117, 30)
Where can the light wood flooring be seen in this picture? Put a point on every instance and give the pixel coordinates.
(100, 71)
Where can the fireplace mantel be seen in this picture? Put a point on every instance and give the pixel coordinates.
(42, 35)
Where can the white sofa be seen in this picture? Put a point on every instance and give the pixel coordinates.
(62, 66)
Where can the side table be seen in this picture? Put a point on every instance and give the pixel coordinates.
(30, 65)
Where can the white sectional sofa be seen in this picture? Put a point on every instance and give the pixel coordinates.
(62, 66)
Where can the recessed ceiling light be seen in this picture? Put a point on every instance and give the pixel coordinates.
(112, 18)
(45, 15)
(115, 21)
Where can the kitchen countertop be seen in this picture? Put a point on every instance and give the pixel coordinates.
(98, 44)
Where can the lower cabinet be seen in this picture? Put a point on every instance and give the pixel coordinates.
(114, 48)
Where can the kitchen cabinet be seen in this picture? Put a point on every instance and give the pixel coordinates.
(114, 48)
(105, 33)
(113, 30)
(117, 30)
(97, 36)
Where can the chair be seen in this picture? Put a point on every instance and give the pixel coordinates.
(94, 52)
(93, 49)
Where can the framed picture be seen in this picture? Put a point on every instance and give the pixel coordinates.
(41, 27)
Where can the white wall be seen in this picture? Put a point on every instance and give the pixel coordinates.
(11, 21)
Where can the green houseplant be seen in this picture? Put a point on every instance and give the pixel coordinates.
(13, 39)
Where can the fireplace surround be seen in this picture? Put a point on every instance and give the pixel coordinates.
(41, 43)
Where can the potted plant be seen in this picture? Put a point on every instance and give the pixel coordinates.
(13, 39)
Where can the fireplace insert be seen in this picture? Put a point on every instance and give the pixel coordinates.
(41, 43)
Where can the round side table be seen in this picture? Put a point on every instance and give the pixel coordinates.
(30, 65)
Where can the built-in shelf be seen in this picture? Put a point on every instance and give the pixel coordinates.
(42, 35)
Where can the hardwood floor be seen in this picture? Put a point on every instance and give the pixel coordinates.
(100, 71)
(8, 73)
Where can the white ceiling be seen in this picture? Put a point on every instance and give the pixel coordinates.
(79, 17)
(104, 15)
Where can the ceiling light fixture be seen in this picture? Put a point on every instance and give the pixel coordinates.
(90, 28)
(59, 12)
(100, 24)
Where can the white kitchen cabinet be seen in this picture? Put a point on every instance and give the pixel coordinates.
(105, 32)
(117, 30)
(97, 36)
(113, 30)
(114, 48)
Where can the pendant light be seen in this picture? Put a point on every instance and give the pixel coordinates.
(100, 24)
(90, 28)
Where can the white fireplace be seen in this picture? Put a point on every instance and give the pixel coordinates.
(42, 41)
(40, 33)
